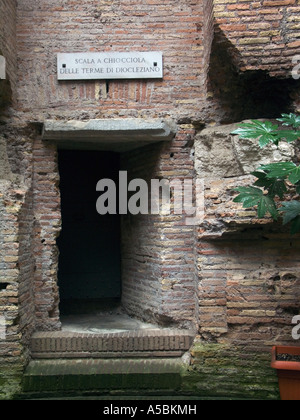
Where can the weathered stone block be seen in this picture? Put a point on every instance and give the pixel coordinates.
(220, 154)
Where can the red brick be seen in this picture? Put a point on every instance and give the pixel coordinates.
(277, 3)
(170, 271)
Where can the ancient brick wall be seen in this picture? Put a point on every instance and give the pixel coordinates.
(254, 54)
(248, 270)
(8, 13)
(264, 34)
(233, 277)
(16, 273)
(158, 261)
(176, 29)
(47, 226)
(8, 10)
(158, 277)
(10, 346)
(16, 221)
(184, 36)
(12, 209)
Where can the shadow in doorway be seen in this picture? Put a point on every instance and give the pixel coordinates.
(89, 245)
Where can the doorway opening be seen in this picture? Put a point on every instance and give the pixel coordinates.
(89, 274)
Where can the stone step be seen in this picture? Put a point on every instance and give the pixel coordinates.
(133, 344)
(97, 375)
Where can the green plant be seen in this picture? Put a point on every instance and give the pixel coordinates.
(277, 188)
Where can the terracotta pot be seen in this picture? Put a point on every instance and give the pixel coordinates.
(288, 373)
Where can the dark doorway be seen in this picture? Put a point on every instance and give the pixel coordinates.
(89, 244)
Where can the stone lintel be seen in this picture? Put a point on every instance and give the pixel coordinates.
(108, 134)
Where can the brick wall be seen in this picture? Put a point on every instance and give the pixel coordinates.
(47, 226)
(158, 251)
(253, 55)
(248, 267)
(249, 292)
(233, 275)
(265, 34)
(8, 15)
(248, 270)
(10, 346)
(16, 274)
(208, 30)
(17, 306)
(250, 287)
(184, 36)
(158, 278)
(176, 29)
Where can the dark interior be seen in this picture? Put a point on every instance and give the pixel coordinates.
(89, 244)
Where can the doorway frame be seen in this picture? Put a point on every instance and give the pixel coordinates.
(81, 214)
(124, 135)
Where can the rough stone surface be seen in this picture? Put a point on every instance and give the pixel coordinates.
(2, 67)
(234, 279)
(161, 129)
(8, 88)
(220, 154)
(223, 371)
(61, 376)
(150, 343)
(113, 134)
(255, 30)
(5, 171)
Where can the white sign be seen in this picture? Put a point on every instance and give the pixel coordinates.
(110, 65)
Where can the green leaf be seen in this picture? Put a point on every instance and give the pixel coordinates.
(291, 213)
(263, 180)
(291, 210)
(252, 196)
(288, 135)
(290, 120)
(295, 175)
(267, 205)
(279, 169)
(275, 186)
(266, 139)
(246, 193)
(295, 228)
(283, 170)
(249, 196)
(266, 131)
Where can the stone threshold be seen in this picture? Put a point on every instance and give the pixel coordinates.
(43, 377)
(129, 344)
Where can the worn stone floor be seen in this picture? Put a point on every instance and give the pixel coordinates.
(103, 318)
(103, 323)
